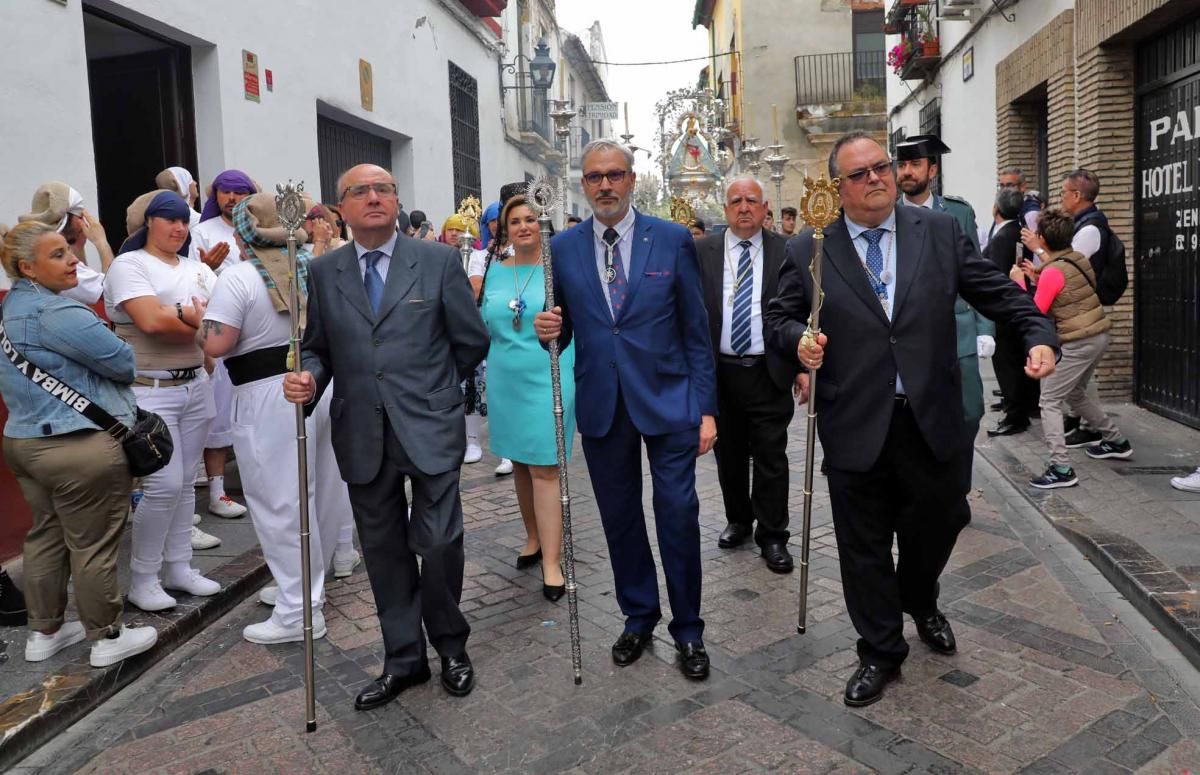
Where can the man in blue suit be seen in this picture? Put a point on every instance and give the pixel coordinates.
(629, 293)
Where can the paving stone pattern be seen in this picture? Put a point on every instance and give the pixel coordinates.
(1045, 680)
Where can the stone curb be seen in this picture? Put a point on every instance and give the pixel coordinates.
(1155, 590)
(77, 688)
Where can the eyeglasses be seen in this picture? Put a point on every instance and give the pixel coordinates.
(860, 176)
(614, 177)
(360, 191)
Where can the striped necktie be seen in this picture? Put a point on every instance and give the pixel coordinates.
(743, 296)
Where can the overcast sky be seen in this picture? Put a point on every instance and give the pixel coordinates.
(641, 31)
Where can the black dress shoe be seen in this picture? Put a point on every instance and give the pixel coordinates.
(12, 603)
(935, 631)
(629, 647)
(528, 560)
(458, 676)
(997, 407)
(866, 685)
(554, 593)
(1006, 428)
(693, 660)
(734, 534)
(776, 555)
(387, 687)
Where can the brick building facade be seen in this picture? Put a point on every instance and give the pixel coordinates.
(1075, 90)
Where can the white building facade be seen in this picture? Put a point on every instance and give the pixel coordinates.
(104, 94)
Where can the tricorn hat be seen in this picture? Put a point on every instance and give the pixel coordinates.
(920, 147)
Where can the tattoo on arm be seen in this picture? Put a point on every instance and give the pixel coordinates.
(215, 326)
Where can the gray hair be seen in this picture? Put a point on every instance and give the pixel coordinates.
(606, 145)
(1008, 203)
(744, 178)
(850, 137)
(1013, 171)
(1086, 181)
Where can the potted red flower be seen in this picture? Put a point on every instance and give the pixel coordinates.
(898, 57)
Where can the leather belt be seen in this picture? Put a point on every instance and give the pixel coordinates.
(742, 360)
(183, 377)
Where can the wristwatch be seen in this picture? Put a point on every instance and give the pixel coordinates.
(179, 310)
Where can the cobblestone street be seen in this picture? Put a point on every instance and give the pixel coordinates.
(1055, 672)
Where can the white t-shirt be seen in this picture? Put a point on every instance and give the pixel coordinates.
(211, 233)
(241, 300)
(138, 273)
(90, 287)
(478, 261)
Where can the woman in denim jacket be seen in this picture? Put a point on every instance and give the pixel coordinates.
(74, 475)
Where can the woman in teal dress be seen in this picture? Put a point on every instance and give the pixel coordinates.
(520, 402)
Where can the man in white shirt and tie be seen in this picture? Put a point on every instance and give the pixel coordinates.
(740, 271)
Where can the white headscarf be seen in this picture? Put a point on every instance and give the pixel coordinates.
(184, 179)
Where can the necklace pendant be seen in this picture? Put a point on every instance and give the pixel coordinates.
(516, 323)
(513, 304)
(610, 274)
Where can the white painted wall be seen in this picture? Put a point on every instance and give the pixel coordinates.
(969, 107)
(313, 54)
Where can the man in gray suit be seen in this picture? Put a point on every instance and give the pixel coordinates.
(392, 323)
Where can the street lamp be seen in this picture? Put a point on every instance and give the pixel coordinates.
(541, 69)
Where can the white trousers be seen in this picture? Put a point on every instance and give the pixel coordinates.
(162, 523)
(220, 435)
(264, 438)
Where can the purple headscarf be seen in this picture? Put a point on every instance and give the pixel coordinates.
(229, 180)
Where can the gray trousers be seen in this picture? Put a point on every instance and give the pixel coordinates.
(1071, 385)
(407, 594)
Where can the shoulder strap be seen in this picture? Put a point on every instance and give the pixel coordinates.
(56, 388)
(1080, 270)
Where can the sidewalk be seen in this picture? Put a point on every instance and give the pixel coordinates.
(40, 700)
(1055, 672)
(1124, 516)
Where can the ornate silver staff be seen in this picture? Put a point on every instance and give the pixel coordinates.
(290, 206)
(818, 207)
(777, 161)
(544, 199)
(470, 211)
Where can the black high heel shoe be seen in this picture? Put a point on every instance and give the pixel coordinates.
(528, 560)
(552, 592)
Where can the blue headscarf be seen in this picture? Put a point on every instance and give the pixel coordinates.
(492, 213)
(166, 204)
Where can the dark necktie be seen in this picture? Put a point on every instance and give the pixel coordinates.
(372, 279)
(617, 288)
(743, 295)
(875, 261)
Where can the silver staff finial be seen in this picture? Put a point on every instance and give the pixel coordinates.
(543, 196)
(290, 205)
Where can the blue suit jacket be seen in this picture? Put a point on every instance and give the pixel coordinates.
(657, 351)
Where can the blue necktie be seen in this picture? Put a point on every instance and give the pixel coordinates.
(743, 296)
(373, 280)
(617, 288)
(875, 261)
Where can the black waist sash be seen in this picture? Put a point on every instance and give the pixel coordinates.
(257, 364)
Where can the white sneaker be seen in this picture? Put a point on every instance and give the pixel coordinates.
(193, 583)
(202, 540)
(345, 562)
(201, 478)
(474, 454)
(39, 647)
(269, 632)
(1189, 483)
(131, 642)
(267, 594)
(226, 507)
(151, 597)
(195, 520)
(505, 467)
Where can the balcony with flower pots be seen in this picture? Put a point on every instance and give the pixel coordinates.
(916, 56)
